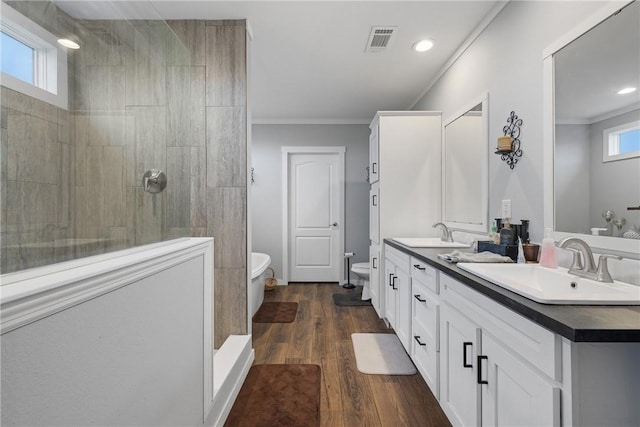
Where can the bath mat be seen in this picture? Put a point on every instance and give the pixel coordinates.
(381, 354)
(276, 312)
(350, 298)
(278, 395)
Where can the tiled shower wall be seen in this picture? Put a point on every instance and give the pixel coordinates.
(146, 95)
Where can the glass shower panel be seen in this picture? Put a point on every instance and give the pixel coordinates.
(72, 178)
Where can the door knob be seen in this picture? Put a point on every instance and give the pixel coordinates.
(335, 224)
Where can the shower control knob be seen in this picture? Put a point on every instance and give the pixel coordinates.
(154, 181)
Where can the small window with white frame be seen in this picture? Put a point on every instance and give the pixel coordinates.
(31, 60)
(621, 142)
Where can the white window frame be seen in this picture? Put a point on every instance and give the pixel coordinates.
(609, 139)
(50, 61)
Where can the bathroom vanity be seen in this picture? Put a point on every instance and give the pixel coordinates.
(493, 357)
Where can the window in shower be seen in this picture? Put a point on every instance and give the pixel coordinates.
(31, 62)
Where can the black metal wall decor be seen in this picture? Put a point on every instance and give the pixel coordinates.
(512, 129)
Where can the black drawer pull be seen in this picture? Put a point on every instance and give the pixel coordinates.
(373, 200)
(419, 267)
(417, 338)
(373, 263)
(480, 380)
(393, 283)
(465, 345)
(373, 167)
(418, 298)
(390, 279)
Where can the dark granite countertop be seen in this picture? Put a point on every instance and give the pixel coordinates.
(579, 323)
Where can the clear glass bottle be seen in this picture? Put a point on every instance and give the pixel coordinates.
(548, 250)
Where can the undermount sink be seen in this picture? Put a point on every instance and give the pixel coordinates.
(428, 242)
(554, 286)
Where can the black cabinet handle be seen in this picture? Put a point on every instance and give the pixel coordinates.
(373, 200)
(419, 267)
(417, 338)
(465, 345)
(391, 279)
(373, 263)
(393, 283)
(373, 167)
(418, 298)
(480, 359)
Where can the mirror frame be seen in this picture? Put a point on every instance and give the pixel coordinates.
(461, 226)
(629, 248)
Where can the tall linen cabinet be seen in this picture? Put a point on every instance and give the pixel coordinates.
(405, 176)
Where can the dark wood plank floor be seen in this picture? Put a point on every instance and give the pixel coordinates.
(321, 334)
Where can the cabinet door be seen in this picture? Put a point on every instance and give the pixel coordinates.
(374, 277)
(460, 392)
(514, 394)
(424, 344)
(403, 308)
(390, 286)
(374, 166)
(374, 213)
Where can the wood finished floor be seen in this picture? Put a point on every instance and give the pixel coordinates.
(321, 334)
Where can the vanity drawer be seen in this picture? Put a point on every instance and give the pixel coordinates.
(425, 274)
(425, 308)
(400, 259)
(426, 358)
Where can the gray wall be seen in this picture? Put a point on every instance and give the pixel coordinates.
(614, 185)
(267, 189)
(572, 179)
(506, 61)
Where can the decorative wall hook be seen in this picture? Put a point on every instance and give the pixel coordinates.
(511, 154)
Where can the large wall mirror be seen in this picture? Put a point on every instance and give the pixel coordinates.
(465, 168)
(594, 134)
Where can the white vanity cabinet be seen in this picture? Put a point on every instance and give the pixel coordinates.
(398, 294)
(498, 368)
(405, 176)
(425, 314)
(375, 266)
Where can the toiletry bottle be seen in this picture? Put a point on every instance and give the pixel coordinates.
(548, 250)
(507, 234)
(494, 231)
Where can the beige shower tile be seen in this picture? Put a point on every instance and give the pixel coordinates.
(107, 128)
(177, 232)
(101, 44)
(199, 232)
(31, 203)
(198, 187)
(64, 185)
(100, 88)
(149, 217)
(186, 46)
(178, 183)
(185, 109)
(226, 147)
(81, 125)
(146, 134)
(113, 187)
(64, 129)
(145, 66)
(226, 65)
(228, 225)
(96, 177)
(32, 149)
(3, 179)
(230, 308)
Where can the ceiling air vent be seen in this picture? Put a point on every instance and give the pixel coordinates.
(379, 38)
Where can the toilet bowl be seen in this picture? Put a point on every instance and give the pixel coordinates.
(361, 269)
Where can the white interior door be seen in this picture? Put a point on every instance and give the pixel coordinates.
(315, 216)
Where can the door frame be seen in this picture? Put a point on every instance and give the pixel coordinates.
(286, 153)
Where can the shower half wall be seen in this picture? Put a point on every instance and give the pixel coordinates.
(143, 94)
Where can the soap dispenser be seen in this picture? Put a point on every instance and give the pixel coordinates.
(548, 250)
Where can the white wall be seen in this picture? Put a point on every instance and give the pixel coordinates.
(571, 180)
(614, 185)
(267, 188)
(506, 61)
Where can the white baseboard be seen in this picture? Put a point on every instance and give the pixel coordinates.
(231, 365)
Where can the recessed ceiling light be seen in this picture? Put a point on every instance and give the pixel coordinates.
(626, 90)
(423, 45)
(69, 43)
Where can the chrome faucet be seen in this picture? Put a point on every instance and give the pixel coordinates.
(446, 233)
(586, 266)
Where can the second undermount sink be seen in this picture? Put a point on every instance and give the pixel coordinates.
(428, 242)
(554, 286)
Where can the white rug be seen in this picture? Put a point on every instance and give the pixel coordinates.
(381, 354)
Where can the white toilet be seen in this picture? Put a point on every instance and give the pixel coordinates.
(362, 272)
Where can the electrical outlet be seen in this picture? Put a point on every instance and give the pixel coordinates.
(506, 209)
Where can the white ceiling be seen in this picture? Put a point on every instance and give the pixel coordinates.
(309, 62)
